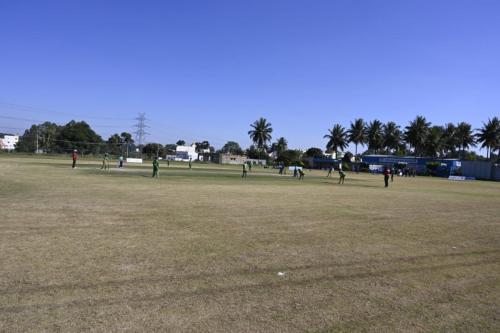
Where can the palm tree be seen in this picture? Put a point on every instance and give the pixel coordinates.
(357, 133)
(464, 136)
(489, 136)
(280, 146)
(449, 138)
(261, 133)
(337, 139)
(375, 136)
(434, 141)
(392, 136)
(416, 133)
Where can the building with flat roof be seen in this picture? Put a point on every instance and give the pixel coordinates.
(447, 166)
(186, 153)
(322, 162)
(486, 170)
(231, 159)
(8, 141)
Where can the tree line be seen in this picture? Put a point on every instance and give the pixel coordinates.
(49, 137)
(418, 138)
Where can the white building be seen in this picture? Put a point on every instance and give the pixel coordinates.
(186, 153)
(334, 156)
(8, 141)
(232, 159)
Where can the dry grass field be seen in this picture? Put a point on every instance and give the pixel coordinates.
(200, 250)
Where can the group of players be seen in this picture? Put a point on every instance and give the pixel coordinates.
(297, 172)
(105, 160)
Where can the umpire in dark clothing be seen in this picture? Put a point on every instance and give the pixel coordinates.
(387, 173)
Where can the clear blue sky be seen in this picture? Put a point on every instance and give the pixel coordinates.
(207, 69)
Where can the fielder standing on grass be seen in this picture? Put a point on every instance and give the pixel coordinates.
(342, 176)
(105, 162)
(156, 167)
(282, 168)
(74, 156)
(244, 174)
(330, 170)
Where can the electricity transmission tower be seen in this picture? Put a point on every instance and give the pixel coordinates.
(141, 126)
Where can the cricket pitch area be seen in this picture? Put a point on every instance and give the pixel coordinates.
(201, 251)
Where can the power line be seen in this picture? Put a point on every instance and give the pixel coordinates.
(23, 119)
(42, 121)
(32, 109)
(91, 143)
(13, 128)
(141, 125)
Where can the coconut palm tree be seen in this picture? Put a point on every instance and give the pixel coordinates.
(449, 139)
(375, 136)
(357, 134)
(465, 137)
(261, 133)
(280, 146)
(489, 136)
(416, 133)
(434, 141)
(337, 139)
(392, 136)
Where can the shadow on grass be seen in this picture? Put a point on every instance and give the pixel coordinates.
(348, 184)
(324, 277)
(232, 288)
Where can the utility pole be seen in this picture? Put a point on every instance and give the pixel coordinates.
(141, 128)
(36, 152)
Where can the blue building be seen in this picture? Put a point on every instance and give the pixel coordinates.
(447, 166)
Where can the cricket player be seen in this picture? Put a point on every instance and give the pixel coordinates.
(330, 170)
(74, 156)
(244, 174)
(156, 167)
(342, 176)
(387, 173)
(105, 162)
